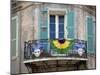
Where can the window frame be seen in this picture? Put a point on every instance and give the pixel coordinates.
(15, 39)
(56, 18)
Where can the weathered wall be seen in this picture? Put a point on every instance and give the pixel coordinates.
(26, 30)
(80, 23)
(29, 22)
(29, 27)
(91, 63)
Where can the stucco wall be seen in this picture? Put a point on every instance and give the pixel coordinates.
(29, 22)
(91, 63)
(27, 31)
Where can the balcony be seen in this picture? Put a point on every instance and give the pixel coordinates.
(37, 49)
(55, 55)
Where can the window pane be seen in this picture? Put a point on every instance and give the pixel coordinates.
(52, 26)
(52, 18)
(61, 19)
(13, 29)
(13, 48)
(61, 26)
(52, 35)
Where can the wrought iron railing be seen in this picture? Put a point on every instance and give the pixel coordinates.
(54, 48)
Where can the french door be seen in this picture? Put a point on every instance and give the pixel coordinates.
(56, 26)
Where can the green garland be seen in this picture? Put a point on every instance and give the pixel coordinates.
(62, 51)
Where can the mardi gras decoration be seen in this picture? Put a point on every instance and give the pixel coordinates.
(79, 47)
(36, 49)
(62, 45)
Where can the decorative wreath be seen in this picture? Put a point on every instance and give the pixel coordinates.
(62, 45)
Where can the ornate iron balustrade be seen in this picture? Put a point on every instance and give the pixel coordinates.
(55, 48)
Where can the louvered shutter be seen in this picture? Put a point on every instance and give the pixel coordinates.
(70, 24)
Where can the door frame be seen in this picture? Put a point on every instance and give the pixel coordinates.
(65, 21)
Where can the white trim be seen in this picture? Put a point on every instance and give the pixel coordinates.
(57, 26)
(65, 26)
(57, 9)
(13, 58)
(14, 17)
(17, 36)
(17, 27)
(48, 31)
(48, 25)
(13, 39)
(75, 26)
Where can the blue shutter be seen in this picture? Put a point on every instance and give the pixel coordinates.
(43, 24)
(90, 36)
(43, 28)
(70, 24)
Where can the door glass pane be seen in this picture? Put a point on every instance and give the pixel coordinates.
(61, 26)
(52, 26)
